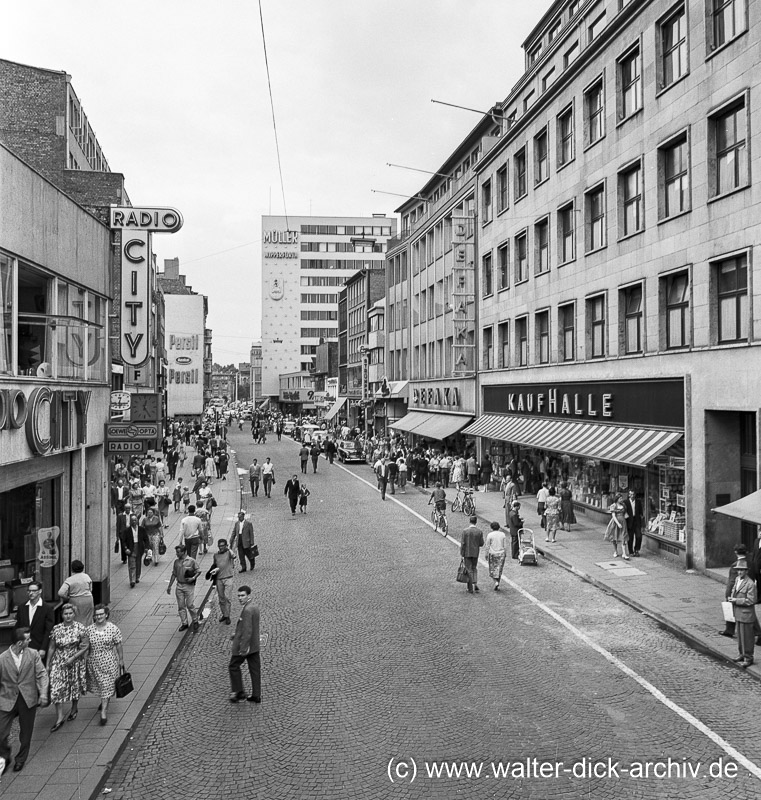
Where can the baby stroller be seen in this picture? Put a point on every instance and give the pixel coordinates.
(526, 547)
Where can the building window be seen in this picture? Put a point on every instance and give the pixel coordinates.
(503, 265)
(547, 79)
(502, 189)
(486, 210)
(632, 219)
(567, 326)
(631, 306)
(573, 8)
(488, 351)
(528, 101)
(521, 336)
(503, 332)
(674, 195)
(596, 326)
(571, 55)
(727, 21)
(594, 109)
(542, 243)
(521, 257)
(542, 320)
(566, 245)
(595, 216)
(565, 137)
(675, 290)
(521, 186)
(596, 26)
(672, 44)
(731, 276)
(728, 145)
(533, 54)
(541, 157)
(487, 276)
(630, 83)
(554, 30)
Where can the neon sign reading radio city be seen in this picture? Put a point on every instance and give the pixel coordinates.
(46, 416)
(136, 226)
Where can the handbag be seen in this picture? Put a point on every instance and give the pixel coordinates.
(256, 551)
(123, 685)
(463, 573)
(162, 547)
(213, 503)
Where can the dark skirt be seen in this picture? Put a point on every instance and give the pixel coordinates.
(567, 517)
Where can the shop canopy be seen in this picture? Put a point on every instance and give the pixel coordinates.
(396, 389)
(622, 444)
(432, 426)
(264, 404)
(335, 408)
(747, 508)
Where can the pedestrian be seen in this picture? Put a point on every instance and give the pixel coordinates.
(445, 467)
(496, 553)
(246, 648)
(268, 476)
(486, 471)
(292, 488)
(66, 663)
(472, 472)
(541, 503)
(741, 551)
(330, 450)
(184, 574)
(210, 467)
(105, 658)
(243, 539)
(634, 515)
(199, 462)
(514, 523)
(136, 543)
(152, 524)
(471, 542)
(314, 454)
(567, 516)
(221, 572)
(402, 464)
(204, 530)
(616, 530)
(552, 514)
(459, 472)
(136, 498)
(163, 502)
(382, 473)
(122, 523)
(77, 590)
(438, 498)
(509, 491)
(254, 477)
(743, 599)
(224, 461)
(304, 458)
(190, 532)
(177, 494)
(38, 616)
(23, 687)
(303, 497)
(393, 474)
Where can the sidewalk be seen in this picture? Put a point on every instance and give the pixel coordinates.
(69, 764)
(684, 602)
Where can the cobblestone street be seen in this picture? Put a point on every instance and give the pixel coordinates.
(376, 658)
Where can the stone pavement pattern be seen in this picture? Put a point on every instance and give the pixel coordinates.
(71, 762)
(375, 653)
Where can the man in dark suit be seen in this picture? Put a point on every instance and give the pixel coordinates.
(122, 523)
(38, 617)
(23, 687)
(633, 506)
(471, 542)
(243, 538)
(119, 496)
(246, 648)
(135, 542)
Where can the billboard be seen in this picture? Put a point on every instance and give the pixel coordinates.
(184, 341)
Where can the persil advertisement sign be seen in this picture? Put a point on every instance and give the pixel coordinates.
(184, 329)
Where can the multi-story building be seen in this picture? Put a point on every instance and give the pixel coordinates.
(185, 323)
(619, 322)
(244, 381)
(223, 382)
(305, 262)
(256, 374)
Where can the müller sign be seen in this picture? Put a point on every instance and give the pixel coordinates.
(137, 225)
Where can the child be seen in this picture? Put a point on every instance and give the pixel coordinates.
(185, 496)
(303, 495)
(177, 494)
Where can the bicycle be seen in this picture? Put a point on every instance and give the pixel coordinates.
(466, 504)
(439, 519)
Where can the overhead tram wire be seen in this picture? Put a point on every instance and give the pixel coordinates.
(274, 123)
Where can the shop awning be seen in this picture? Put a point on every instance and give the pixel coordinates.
(439, 426)
(622, 444)
(747, 508)
(263, 404)
(411, 421)
(335, 408)
(397, 389)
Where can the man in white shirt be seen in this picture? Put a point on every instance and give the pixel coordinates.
(190, 533)
(268, 476)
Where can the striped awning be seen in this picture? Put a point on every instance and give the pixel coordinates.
(335, 408)
(622, 444)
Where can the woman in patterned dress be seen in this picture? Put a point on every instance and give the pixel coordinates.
(105, 661)
(68, 645)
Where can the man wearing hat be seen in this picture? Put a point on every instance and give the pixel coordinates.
(515, 523)
(743, 599)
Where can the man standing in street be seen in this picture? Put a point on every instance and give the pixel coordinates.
(23, 687)
(184, 573)
(383, 476)
(292, 490)
(330, 450)
(515, 523)
(246, 648)
(190, 532)
(633, 508)
(243, 539)
(304, 458)
(314, 454)
(254, 476)
(471, 542)
(38, 617)
(743, 599)
(135, 543)
(221, 572)
(268, 476)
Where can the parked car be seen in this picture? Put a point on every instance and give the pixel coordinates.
(350, 450)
